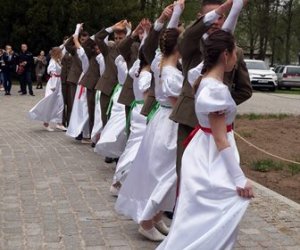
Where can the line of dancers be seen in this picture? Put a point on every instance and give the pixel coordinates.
(160, 101)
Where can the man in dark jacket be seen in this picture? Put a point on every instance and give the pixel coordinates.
(10, 59)
(26, 62)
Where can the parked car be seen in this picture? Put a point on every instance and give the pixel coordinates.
(288, 77)
(261, 76)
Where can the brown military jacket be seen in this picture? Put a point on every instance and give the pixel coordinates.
(129, 49)
(109, 79)
(76, 66)
(190, 49)
(66, 63)
(90, 78)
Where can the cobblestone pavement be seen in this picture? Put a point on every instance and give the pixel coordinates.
(266, 102)
(54, 195)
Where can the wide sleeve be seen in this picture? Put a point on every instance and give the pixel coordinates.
(122, 69)
(214, 98)
(84, 59)
(155, 65)
(144, 82)
(134, 69)
(51, 70)
(194, 73)
(172, 85)
(100, 60)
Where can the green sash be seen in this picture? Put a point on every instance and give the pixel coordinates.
(116, 88)
(153, 112)
(128, 120)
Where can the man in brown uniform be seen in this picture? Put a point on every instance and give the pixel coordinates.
(129, 49)
(74, 72)
(90, 78)
(190, 46)
(109, 79)
(66, 63)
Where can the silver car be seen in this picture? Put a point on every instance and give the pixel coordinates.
(288, 77)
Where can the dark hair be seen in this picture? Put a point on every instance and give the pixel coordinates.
(215, 44)
(83, 34)
(123, 31)
(215, 2)
(168, 43)
(143, 61)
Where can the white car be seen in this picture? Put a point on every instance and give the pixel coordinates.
(260, 75)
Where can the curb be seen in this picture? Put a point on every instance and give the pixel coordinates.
(279, 197)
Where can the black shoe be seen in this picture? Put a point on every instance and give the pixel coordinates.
(23, 94)
(6, 93)
(116, 160)
(20, 91)
(169, 215)
(32, 94)
(93, 144)
(109, 160)
(79, 137)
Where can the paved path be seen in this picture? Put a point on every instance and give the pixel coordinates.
(54, 195)
(271, 103)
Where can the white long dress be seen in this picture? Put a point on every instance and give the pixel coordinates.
(79, 120)
(138, 122)
(113, 136)
(150, 186)
(208, 209)
(50, 108)
(98, 125)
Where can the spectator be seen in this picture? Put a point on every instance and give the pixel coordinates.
(10, 59)
(2, 66)
(24, 69)
(40, 67)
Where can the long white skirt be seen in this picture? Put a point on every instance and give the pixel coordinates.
(97, 128)
(79, 121)
(113, 136)
(150, 186)
(208, 209)
(138, 125)
(50, 108)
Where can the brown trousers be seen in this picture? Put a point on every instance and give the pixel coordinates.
(90, 95)
(183, 133)
(104, 102)
(70, 96)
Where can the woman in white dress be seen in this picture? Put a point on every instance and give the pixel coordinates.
(113, 137)
(154, 166)
(214, 193)
(50, 108)
(141, 75)
(97, 128)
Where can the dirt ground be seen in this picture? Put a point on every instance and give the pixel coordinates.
(279, 136)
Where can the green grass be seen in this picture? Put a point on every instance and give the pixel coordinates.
(294, 168)
(290, 92)
(270, 165)
(253, 116)
(267, 165)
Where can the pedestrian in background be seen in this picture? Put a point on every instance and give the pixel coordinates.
(40, 67)
(10, 59)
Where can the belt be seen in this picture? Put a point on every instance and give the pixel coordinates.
(153, 112)
(205, 130)
(55, 75)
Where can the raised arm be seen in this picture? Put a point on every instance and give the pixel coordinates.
(80, 51)
(189, 40)
(151, 43)
(233, 16)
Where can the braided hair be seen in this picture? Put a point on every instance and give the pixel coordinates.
(143, 61)
(168, 44)
(214, 46)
